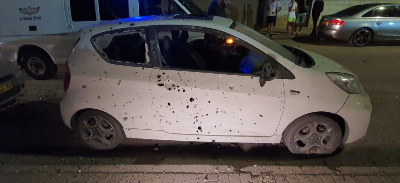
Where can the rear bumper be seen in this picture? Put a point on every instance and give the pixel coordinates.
(357, 114)
(67, 110)
(335, 32)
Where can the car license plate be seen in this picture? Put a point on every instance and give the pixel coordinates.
(325, 22)
(6, 87)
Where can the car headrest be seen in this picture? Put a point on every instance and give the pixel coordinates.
(167, 43)
(179, 37)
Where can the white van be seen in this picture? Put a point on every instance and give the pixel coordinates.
(43, 32)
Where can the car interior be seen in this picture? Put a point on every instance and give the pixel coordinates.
(125, 47)
(211, 53)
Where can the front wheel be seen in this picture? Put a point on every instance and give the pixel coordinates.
(361, 37)
(313, 134)
(99, 130)
(38, 65)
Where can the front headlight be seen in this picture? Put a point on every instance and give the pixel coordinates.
(348, 83)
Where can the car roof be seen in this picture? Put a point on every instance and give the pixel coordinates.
(376, 4)
(177, 19)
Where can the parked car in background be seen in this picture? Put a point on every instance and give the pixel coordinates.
(362, 24)
(43, 33)
(12, 82)
(142, 78)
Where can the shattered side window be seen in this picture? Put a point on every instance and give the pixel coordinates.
(209, 52)
(123, 48)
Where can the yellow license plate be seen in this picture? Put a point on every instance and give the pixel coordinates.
(4, 88)
(325, 22)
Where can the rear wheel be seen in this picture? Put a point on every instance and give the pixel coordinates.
(99, 130)
(313, 134)
(38, 65)
(361, 37)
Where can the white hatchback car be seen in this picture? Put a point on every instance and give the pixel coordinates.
(207, 79)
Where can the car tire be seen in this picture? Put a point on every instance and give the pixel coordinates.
(38, 65)
(361, 37)
(313, 134)
(99, 130)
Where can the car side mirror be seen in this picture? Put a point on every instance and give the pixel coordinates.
(266, 74)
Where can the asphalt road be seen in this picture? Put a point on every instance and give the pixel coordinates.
(32, 132)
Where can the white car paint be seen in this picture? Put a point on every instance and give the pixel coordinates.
(249, 113)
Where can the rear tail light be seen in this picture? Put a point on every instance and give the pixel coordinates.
(67, 78)
(337, 22)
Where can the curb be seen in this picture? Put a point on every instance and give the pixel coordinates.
(200, 169)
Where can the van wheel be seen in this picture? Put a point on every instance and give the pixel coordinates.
(38, 65)
(99, 130)
(361, 37)
(313, 134)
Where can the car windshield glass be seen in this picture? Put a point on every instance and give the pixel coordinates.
(354, 10)
(265, 41)
(192, 7)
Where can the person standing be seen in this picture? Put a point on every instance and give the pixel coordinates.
(301, 17)
(273, 7)
(292, 7)
(316, 12)
(217, 8)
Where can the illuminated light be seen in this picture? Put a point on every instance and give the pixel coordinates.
(381, 8)
(337, 22)
(390, 23)
(229, 41)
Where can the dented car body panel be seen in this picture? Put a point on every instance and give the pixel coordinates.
(152, 101)
(219, 104)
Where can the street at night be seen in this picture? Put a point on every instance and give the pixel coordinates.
(33, 133)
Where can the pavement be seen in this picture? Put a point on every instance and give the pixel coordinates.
(195, 173)
(36, 146)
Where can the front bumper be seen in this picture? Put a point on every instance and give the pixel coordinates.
(357, 114)
(18, 83)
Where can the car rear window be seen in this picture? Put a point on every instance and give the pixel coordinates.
(123, 47)
(354, 9)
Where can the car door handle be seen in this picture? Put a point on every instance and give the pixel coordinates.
(294, 92)
(378, 23)
(160, 84)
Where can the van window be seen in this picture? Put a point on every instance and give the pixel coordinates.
(123, 48)
(113, 9)
(83, 10)
(150, 7)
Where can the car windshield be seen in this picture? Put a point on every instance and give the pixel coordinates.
(265, 41)
(354, 9)
(192, 7)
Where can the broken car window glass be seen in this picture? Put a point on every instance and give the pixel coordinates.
(129, 47)
(211, 53)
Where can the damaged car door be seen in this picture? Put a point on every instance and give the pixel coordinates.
(210, 87)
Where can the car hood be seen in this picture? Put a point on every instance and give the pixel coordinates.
(7, 68)
(325, 64)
